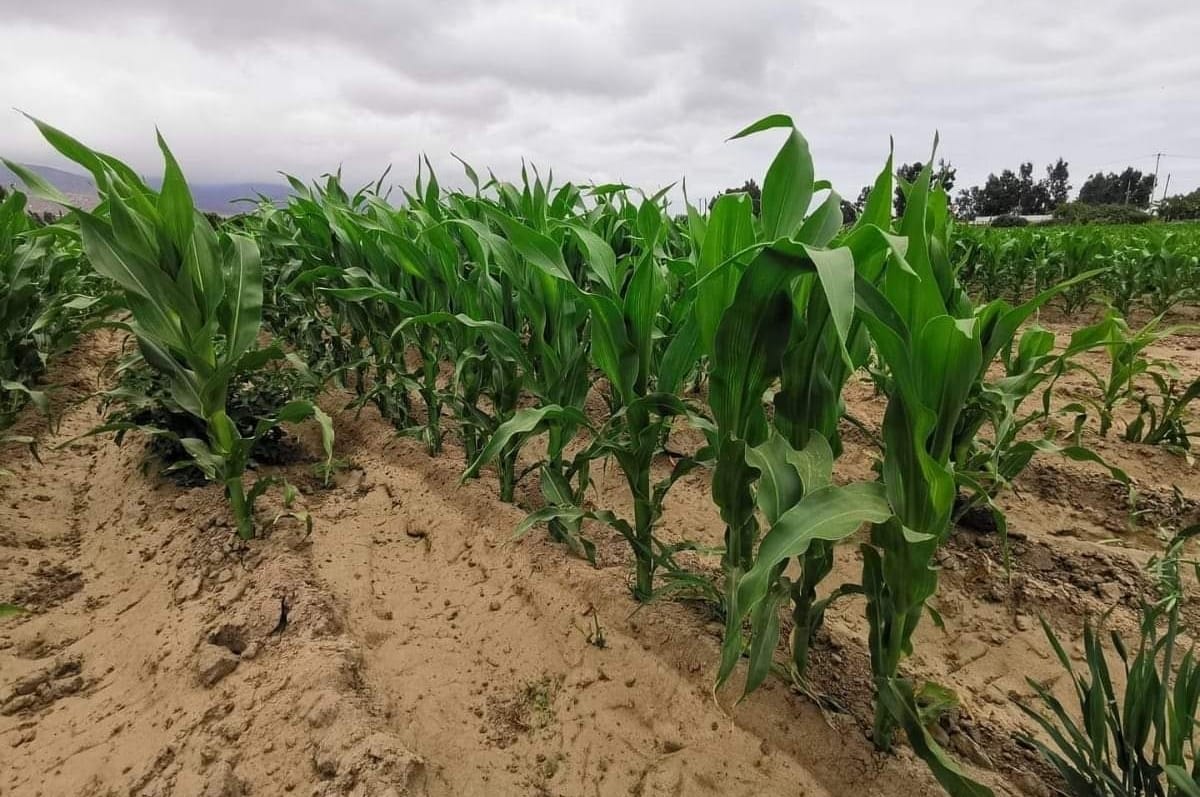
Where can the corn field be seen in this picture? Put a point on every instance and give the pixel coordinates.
(554, 331)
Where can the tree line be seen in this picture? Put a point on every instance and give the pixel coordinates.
(1019, 193)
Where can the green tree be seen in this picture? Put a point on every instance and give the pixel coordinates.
(849, 212)
(1058, 180)
(1032, 197)
(863, 196)
(1180, 207)
(1130, 187)
(1016, 192)
(944, 174)
(750, 188)
(965, 203)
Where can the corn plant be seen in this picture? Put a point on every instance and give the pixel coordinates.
(1080, 252)
(625, 320)
(1127, 364)
(357, 266)
(531, 251)
(1172, 274)
(20, 361)
(48, 295)
(933, 348)
(1126, 283)
(1139, 740)
(194, 299)
(1162, 415)
(787, 315)
(896, 285)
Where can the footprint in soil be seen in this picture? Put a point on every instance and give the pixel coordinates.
(43, 687)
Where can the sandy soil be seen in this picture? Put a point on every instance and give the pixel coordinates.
(423, 653)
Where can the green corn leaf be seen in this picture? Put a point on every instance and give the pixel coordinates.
(569, 518)
(522, 424)
(241, 314)
(38, 398)
(779, 486)
(1182, 779)
(878, 210)
(897, 696)
(615, 354)
(680, 357)
(503, 339)
(824, 223)
(729, 230)
(766, 123)
(813, 463)
(749, 344)
(536, 248)
(831, 514)
(210, 463)
(175, 205)
(600, 257)
(647, 290)
(202, 265)
(296, 412)
(39, 186)
(788, 187)
(764, 638)
(835, 267)
(140, 277)
(73, 150)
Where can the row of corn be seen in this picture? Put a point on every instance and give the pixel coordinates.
(600, 323)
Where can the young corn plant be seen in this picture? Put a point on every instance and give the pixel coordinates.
(1171, 274)
(624, 332)
(1138, 740)
(194, 300)
(987, 463)
(933, 346)
(21, 267)
(763, 335)
(786, 316)
(1127, 363)
(1162, 417)
(530, 255)
(992, 447)
(1080, 252)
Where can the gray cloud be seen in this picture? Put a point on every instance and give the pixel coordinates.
(643, 92)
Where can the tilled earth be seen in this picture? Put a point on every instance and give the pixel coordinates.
(407, 646)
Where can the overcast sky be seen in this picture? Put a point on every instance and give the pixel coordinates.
(644, 92)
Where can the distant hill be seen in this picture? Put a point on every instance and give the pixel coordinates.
(80, 189)
(212, 197)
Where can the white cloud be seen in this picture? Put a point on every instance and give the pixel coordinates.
(644, 92)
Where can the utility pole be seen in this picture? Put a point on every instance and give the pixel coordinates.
(1157, 158)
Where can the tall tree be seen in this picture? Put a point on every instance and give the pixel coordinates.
(945, 173)
(1016, 192)
(849, 212)
(750, 187)
(1058, 183)
(1130, 187)
(863, 195)
(965, 204)
(1032, 197)
(999, 195)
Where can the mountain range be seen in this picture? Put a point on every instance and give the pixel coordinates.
(219, 198)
